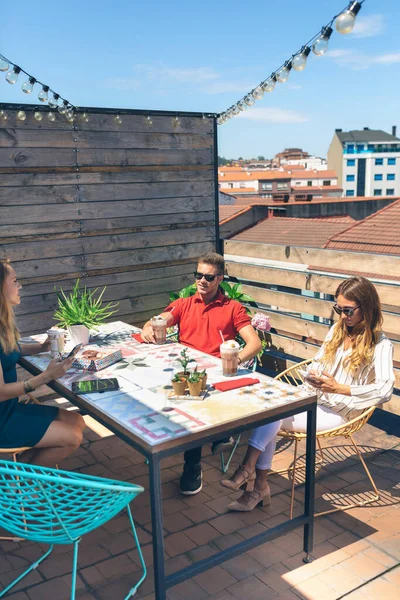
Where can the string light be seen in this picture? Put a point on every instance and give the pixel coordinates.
(38, 115)
(51, 117)
(84, 118)
(3, 115)
(55, 102)
(118, 119)
(21, 115)
(149, 120)
(344, 23)
(176, 122)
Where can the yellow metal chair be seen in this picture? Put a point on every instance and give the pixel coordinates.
(294, 377)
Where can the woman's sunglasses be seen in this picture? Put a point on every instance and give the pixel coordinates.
(207, 276)
(349, 312)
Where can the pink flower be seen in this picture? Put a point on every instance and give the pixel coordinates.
(261, 322)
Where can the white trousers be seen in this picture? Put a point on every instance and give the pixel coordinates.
(264, 438)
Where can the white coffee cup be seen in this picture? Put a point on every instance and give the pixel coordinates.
(57, 340)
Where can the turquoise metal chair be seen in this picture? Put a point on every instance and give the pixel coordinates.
(58, 507)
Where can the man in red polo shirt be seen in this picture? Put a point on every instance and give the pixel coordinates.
(200, 319)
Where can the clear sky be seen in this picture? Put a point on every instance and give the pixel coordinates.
(204, 56)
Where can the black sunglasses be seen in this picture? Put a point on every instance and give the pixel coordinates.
(349, 312)
(207, 276)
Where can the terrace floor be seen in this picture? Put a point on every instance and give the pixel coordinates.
(357, 553)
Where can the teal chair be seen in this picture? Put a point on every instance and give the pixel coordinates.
(58, 507)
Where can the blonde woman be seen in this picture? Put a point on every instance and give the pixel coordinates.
(352, 371)
(52, 433)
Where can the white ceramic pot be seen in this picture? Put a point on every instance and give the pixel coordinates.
(79, 334)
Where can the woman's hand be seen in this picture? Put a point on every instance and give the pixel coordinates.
(45, 346)
(327, 383)
(57, 368)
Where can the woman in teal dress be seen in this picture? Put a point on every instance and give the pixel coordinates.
(51, 433)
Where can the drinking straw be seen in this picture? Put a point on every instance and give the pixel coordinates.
(222, 336)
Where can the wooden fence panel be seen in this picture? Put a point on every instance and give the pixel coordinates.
(128, 205)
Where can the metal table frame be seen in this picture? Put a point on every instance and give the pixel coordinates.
(179, 445)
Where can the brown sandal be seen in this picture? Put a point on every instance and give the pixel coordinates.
(245, 479)
(251, 499)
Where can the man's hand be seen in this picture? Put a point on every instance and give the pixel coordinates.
(148, 333)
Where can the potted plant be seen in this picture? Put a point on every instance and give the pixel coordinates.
(179, 383)
(195, 383)
(185, 360)
(203, 377)
(82, 310)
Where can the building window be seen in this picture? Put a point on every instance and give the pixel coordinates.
(377, 192)
(350, 177)
(266, 186)
(350, 148)
(379, 161)
(281, 186)
(378, 177)
(326, 182)
(390, 176)
(309, 183)
(241, 185)
(390, 192)
(370, 147)
(360, 147)
(391, 161)
(230, 185)
(351, 162)
(349, 192)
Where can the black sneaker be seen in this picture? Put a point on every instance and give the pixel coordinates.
(191, 480)
(222, 445)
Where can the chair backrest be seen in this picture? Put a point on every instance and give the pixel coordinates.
(53, 506)
(293, 375)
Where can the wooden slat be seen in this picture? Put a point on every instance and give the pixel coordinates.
(102, 210)
(304, 280)
(30, 195)
(30, 157)
(295, 303)
(31, 138)
(381, 264)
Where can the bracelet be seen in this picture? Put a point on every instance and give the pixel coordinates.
(28, 387)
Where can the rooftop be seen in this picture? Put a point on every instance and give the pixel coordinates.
(366, 135)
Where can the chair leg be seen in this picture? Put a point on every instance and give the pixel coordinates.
(225, 467)
(319, 460)
(133, 590)
(31, 568)
(374, 497)
(74, 569)
(294, 479)
(5, 538)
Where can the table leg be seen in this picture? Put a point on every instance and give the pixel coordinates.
(157, 528)
(310, 482)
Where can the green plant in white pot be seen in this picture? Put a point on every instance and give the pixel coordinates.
(82, 310)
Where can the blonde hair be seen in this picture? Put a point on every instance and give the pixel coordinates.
(366, 333)
(8, 330)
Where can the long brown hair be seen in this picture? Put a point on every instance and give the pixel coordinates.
(8, 330)
(366, 333)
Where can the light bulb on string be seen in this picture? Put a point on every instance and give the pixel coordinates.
(21, 115)
(283, 74)
(62, 106)
(27, 86)
(176, 122)
(4, 64)
(269, 85)
(149, 120)
(320, 46)
(3, 115)
(249, 100)
(236, 110)
(70, 113)
(53, 102)
(300, 60)
(51, 117)
(346, 20)
(12, 75)
(118, 120)
(38, 115)
(84, 117)
(257, 93)
(43, 95)
(241, 105)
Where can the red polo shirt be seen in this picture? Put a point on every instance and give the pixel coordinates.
(200, 323)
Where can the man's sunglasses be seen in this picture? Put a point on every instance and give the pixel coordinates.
(207, 276)
(349, 312)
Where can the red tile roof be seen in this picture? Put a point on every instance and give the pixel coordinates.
(379, 233)
(367, 274)
(244, 175)
(239, 190)
(313, 174)
(294, 232)
(226, 212)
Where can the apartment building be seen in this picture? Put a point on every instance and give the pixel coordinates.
(367, 162)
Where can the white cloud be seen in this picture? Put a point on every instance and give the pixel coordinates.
(163, 77)
(387, 59)
(359, 61)
(222, 87)
(273, 115)
(368, 26)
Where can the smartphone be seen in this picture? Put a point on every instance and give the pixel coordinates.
(95, 385)
(74, 351)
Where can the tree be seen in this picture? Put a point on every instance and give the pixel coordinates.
(240, 158)
(261, 157)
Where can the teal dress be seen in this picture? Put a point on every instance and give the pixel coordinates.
(21, 424)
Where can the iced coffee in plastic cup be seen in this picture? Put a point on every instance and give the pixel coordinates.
(159, 325)
(229, 356)
(57, 340)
